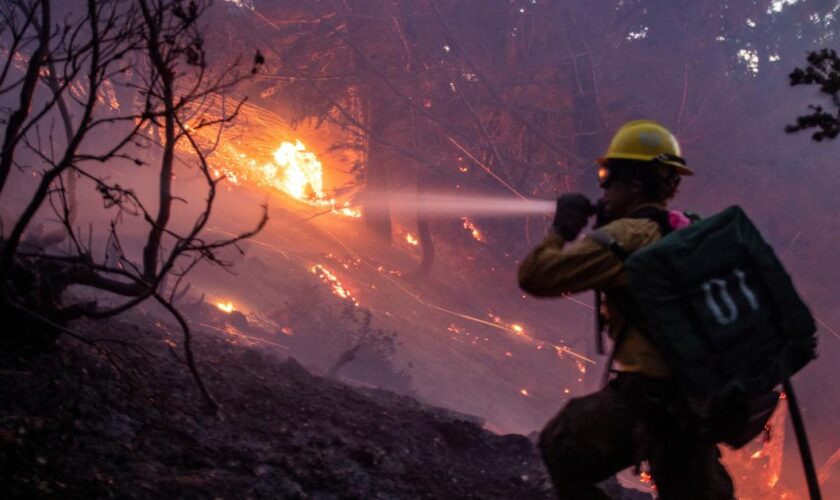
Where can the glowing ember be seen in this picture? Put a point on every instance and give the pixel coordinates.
(330, 278)
(454, 329)
(469, 225)
(524, 392)
(511, 327)
(226, 307)
(759, 463)
(411, 239)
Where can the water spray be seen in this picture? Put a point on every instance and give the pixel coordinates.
(454, 205)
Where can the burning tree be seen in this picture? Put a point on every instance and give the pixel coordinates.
(67, 72)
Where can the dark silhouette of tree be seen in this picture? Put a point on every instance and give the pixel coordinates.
(67, 71)
(823, 70)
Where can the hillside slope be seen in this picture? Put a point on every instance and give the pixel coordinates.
(73, 425)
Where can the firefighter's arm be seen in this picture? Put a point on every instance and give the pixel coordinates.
(556, 267)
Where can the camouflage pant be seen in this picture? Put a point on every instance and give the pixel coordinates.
(624, 423)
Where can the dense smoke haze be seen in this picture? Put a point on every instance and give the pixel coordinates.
(407, 155)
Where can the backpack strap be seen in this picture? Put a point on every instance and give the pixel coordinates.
(660, 217)
(655, 214)
(606, 241)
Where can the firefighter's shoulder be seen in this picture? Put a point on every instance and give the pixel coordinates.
(631, 233)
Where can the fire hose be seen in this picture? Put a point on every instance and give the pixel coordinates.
(802, 442)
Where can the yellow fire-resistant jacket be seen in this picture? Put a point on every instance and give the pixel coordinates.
(556, 267)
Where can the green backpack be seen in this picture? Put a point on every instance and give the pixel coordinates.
(721, 309)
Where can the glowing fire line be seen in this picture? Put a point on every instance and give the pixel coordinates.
(240, 334)
(330, 278)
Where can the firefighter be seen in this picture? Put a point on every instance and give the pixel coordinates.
(636, 416)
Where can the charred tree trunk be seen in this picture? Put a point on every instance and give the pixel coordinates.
(427, 244)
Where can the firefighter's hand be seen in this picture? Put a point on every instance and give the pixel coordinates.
(573, 212)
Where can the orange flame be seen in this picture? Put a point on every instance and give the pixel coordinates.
(293, 169)
(226, 307)
(296, 171)
(346, 209)
(411, 239)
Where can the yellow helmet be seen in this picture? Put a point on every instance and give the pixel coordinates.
(646, 140)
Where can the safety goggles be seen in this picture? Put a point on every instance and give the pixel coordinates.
(608, 174)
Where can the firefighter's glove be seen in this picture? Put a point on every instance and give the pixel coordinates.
(573, 212)
(602, 218)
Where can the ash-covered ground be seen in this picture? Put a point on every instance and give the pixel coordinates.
(74, 426)
(77, 423)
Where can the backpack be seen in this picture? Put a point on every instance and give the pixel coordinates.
(720, 308)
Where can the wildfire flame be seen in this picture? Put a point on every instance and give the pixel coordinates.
(296, 171)
(226, 307)
(293, 169)
(411, 239)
